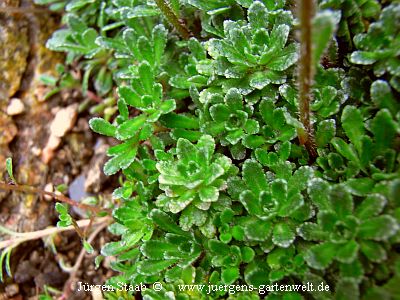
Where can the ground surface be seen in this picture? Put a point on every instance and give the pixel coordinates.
(51, 144)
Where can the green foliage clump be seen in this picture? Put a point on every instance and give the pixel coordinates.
(216, 186)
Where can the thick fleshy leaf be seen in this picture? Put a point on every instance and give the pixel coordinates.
(371, 206)
(130, 127)
(146, 77)
(130, 96)
(283, 235)
(378, 228)
(233, 99)
(342, 201)
(230, 275)
(347, 252)
(167, 106)
(153, 267)
(311, 232)
(347, 288)
(186, 150)
(258, 15)
(103, 127)
(286, 58)
(353, 124)
(154, 249)
(159, 41)
(352, 270)
(324, 25)
(319, 190)
(279, 189)
(325, 132)
(384, 129)
(279, 35)
(374, 251)
(258, 230)
(254, 176)
(206, 147)
(321, 256)
(209, 194)
(250, 202)
(192, 216)
(166, 223)
(383, 97)
(360, 186)
(344, 149)
(219, 112)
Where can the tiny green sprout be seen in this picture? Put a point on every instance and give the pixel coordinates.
(9, 168)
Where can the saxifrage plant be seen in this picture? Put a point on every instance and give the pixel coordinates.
(213, 116)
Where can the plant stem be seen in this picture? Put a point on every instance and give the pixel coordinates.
(173, 19)
(28, 236)
(306, 75)
(62, 198)
(78, 262)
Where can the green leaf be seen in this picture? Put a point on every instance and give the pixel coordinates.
(159, 41)
(130, 96)
(360, 186)
(218, 247)
(279, 189)
(324, 25)
(254, 176)
(173, 120)
(374, 251)
(247, 254)
(286, 58)
(166, 223)
(251, 203)
(153, 267)
(146, 77)
(347, 288)
(130, 127)
(283, 235)
(88, 248)
(103, 127)
(311, 232)
(206, 146)
(219, 112)
(341, 199)
(167, 106)
(384, 129)
(371, 206)
(321, 256)
(9, 168)
(230, 275)
(258, 15)
(156, 250)
(346, 150)
(347, 252)
(353, 124)
(382, 96)
(363, 58)
(209, 194)
(378, 228)
(258, 230)
(319, 191)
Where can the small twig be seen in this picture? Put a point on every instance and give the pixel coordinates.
(28, 236)
(78, 262)
(62, 198)
(173, 19)
(306, 75)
